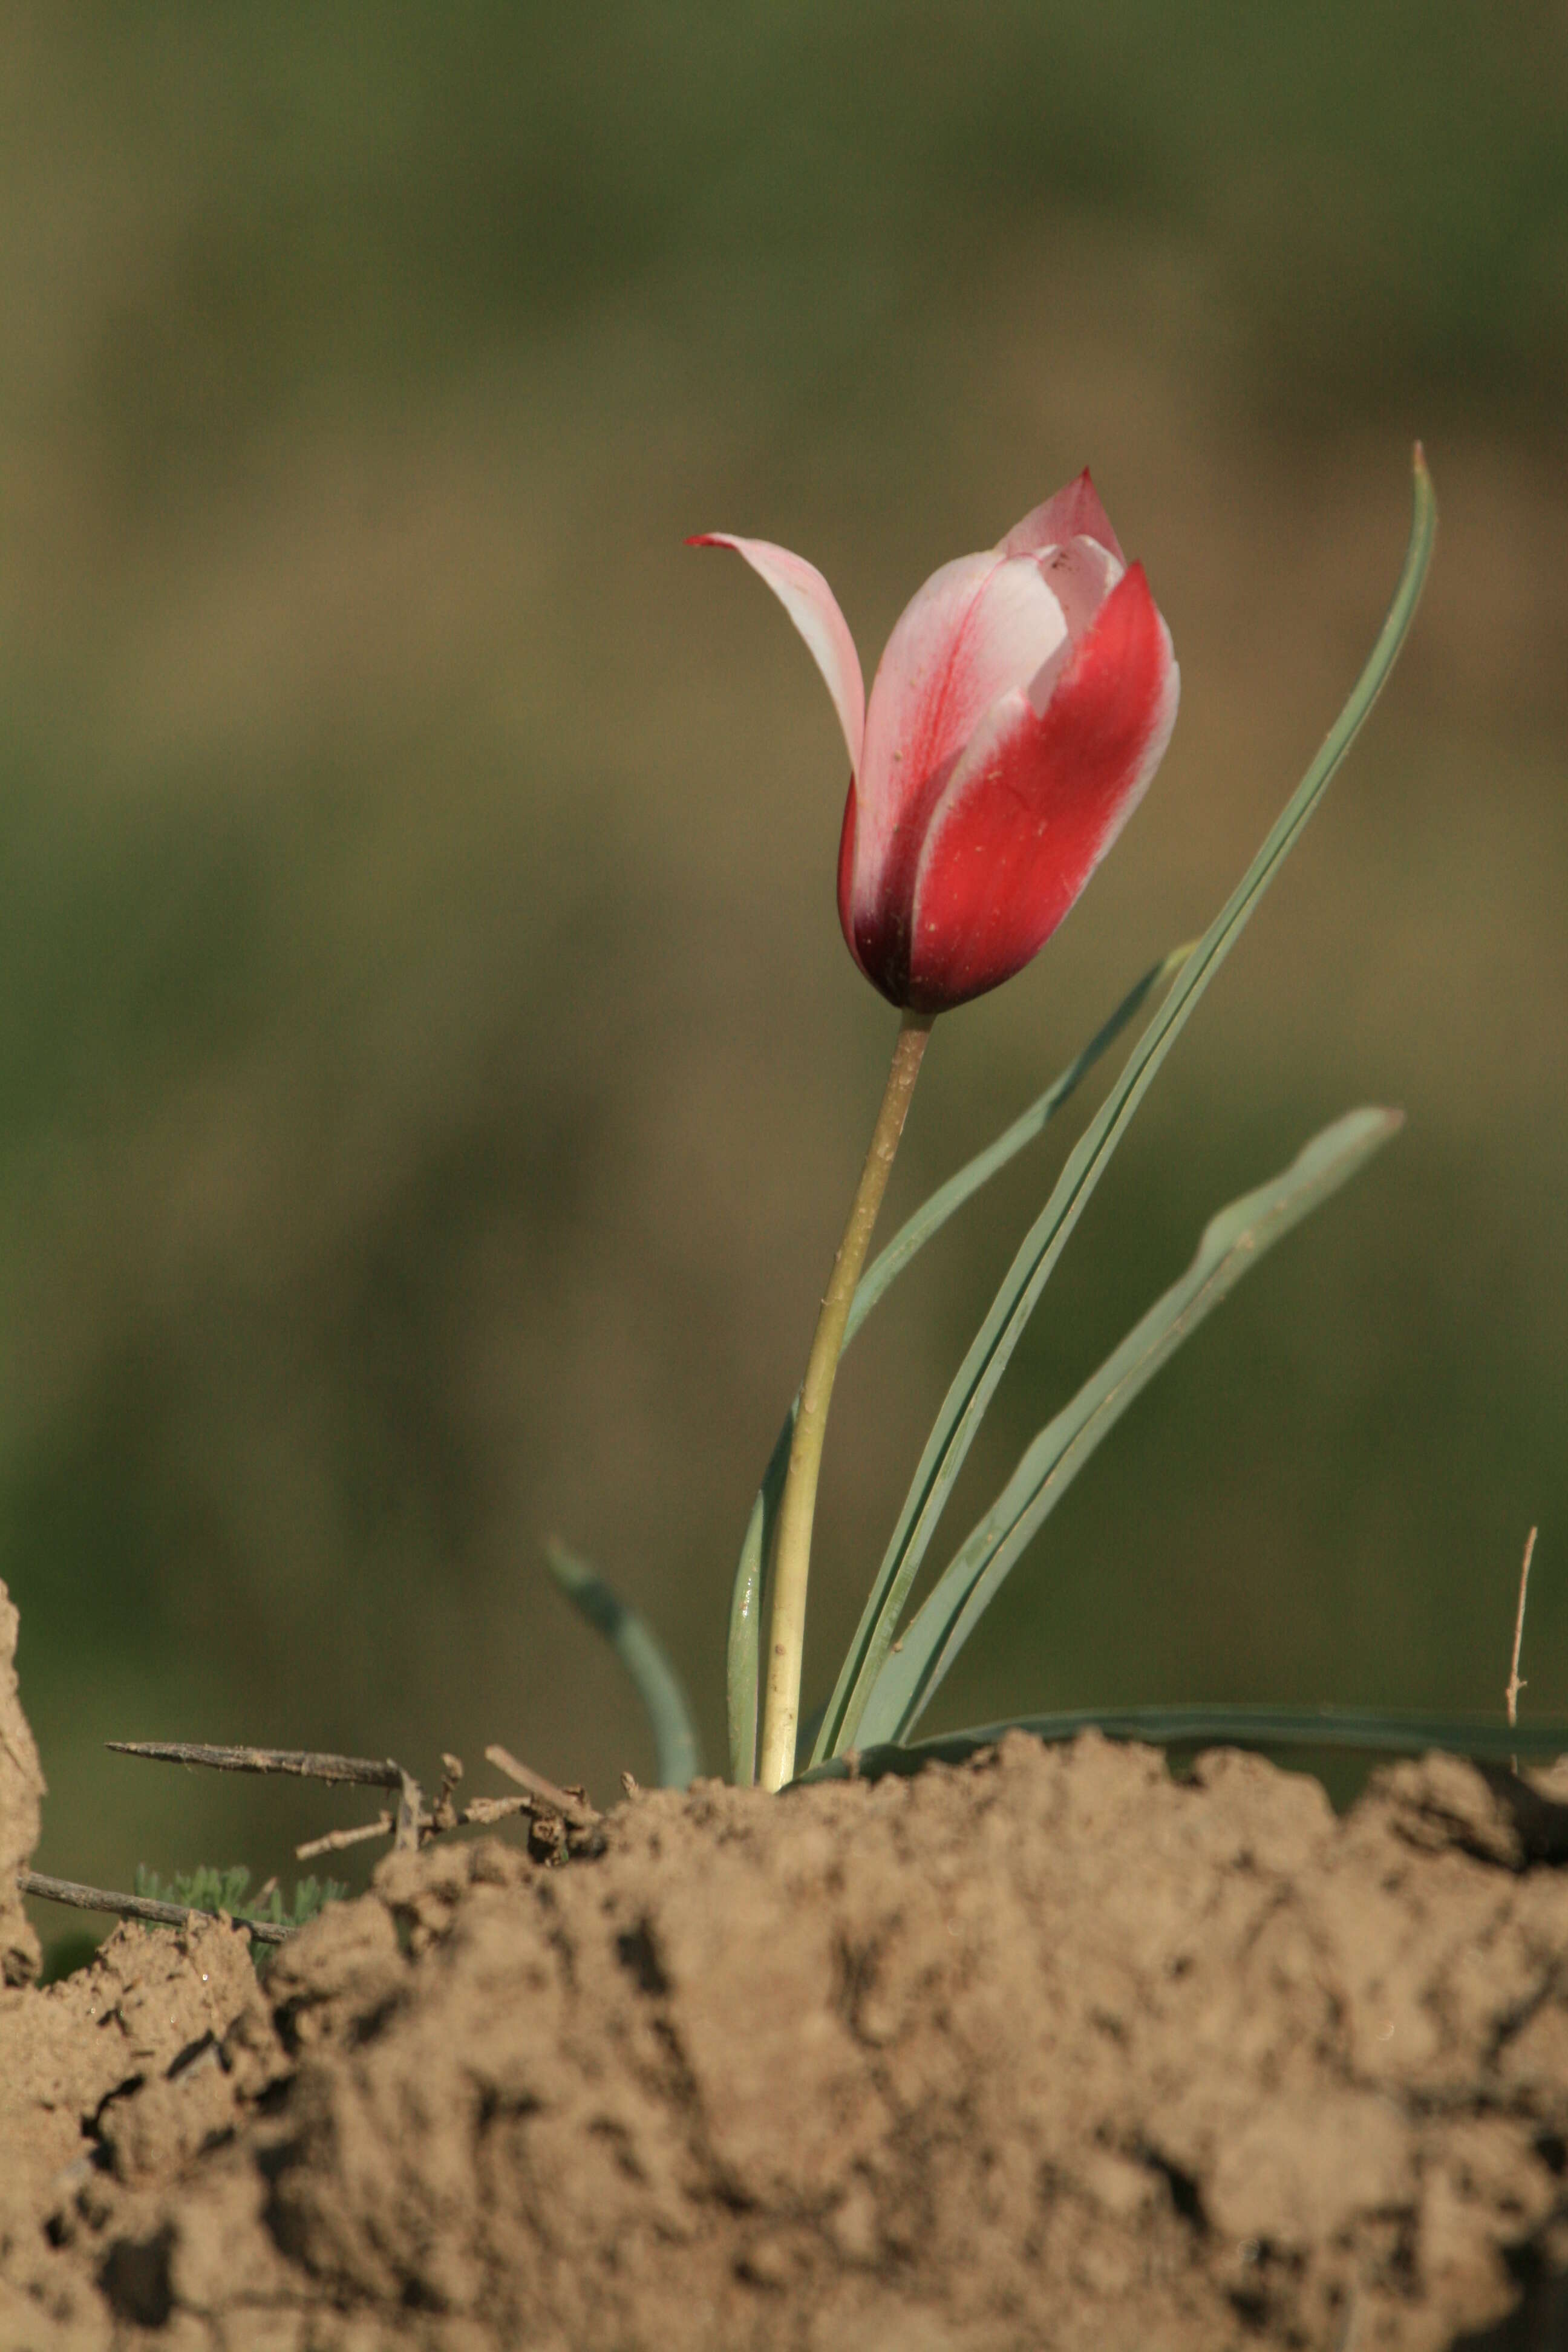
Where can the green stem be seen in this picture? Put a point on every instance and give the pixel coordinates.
(792, 1563)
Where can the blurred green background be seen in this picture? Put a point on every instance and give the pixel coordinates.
(431, 1079)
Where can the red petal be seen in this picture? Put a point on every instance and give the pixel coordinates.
(979, 627)
(813, 608)
(1035, 803)
(1074, 512)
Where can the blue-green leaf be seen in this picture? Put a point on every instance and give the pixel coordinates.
(747, 1598)
(677, 1747)
(890, 1263)
(977, 1377)
(747, 1595)
(1232, 1242)
(1368, 1731)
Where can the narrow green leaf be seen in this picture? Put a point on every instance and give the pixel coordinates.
(1232, 1242)
(890, 1263)
(749, 1591)
(676, 1744)
(975, 1383)
(1368, 1731)
(747, 1595)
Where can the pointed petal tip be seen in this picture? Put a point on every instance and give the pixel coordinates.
(1075, 511)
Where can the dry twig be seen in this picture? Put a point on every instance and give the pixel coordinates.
(336, 1840)
(1511, 1696)
(570, 1805)
(562, 1818)
(141, 1906)
(406, 1835)
(302, 1763)
(491, 1808)
(478, 1812)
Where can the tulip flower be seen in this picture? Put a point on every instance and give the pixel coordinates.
(1021, 708)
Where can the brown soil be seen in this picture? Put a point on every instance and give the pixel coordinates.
(21, 1791)
(1049, 2050)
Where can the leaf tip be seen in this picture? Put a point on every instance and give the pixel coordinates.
(562, 1564)
(1385, 1118)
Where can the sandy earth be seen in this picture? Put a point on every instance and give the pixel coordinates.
(1047, 2051)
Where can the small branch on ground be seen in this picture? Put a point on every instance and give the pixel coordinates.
(490, 1809)
(141, 1906)
(1511, 1696)
(302, 1763)
(337, 1841)
(572, 1805)
(562, 1821)
(406, 1836)
(479, 1813)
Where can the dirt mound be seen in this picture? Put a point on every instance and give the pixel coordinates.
(21, 1789)
(1049, 2050)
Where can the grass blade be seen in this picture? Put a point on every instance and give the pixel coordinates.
(1367, 1731)
(973, 1389)
(748, 1593)
(1232, 1242)
(676, 1744)
(890, 1263)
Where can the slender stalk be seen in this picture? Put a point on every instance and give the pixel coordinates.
(792, 1565)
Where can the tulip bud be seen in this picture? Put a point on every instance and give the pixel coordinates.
(1022, 704)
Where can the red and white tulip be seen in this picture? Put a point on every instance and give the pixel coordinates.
(1019, 712)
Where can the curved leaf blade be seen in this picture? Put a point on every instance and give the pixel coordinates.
(929, 1220)
(748, 1591)
(975, 1382)
(1232, 1242)
(1367, 1731)
(676, 1744)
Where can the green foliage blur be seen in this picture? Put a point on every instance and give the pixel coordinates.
(430, 1076)
(211, 1888)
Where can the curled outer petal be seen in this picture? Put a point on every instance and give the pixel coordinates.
(813, 608)
(1030, 809)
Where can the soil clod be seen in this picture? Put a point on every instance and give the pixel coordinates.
(1048, 2050)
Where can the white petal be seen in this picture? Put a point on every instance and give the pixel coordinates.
(813, 607)
(1081, 575)
(979, 628)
